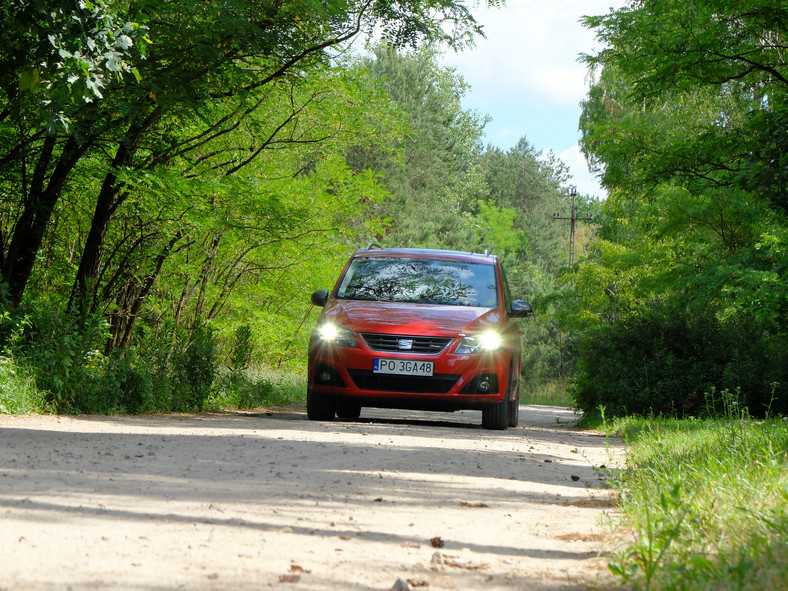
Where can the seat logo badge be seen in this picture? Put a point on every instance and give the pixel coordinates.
(405, 344)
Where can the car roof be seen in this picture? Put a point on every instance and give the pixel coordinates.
(375, 251)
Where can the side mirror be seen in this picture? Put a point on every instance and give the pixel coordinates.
(320, 297)
(521, 309)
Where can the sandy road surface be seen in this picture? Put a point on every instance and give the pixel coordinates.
(249, 501)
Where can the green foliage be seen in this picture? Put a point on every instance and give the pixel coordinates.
(530, 183)
(663, 359)
(122, 384)
(62, 353)
(544, 392)
(220, 85)
(243, 349)
(686, 293)
(254, 388)
(697, 90)
(706, 501)
(496, 228)
(428, 169)
(18, 392)
(58, 56)
(193, 371)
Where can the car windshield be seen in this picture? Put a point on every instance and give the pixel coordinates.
(423, 281)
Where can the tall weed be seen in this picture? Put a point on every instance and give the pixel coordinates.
(255, 388)
(545, 392)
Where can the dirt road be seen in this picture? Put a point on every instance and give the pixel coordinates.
(247, 501)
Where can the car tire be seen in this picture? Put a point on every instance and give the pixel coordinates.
(348, 411)
(319, 408)
(496, 417)
(514, 410)
(514, 404)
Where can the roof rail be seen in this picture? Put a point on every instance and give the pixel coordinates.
(372, 245)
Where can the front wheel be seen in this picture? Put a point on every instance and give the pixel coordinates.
(514, 410)
(319, 408)
(348, 411)
(496, 417)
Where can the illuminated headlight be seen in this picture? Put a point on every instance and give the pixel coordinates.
(331, 333)
(484, 342)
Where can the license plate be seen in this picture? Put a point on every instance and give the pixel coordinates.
(403, 367)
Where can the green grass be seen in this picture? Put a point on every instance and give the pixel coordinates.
(18, 392)
(706, 502)
(255, 388)
(549, 393)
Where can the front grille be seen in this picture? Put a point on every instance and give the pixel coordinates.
(437, 384)
(390, 343)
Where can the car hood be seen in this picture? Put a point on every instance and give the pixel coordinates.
(404, 318)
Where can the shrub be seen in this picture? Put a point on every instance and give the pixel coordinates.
(125, 384)
(61, 351)
(664, 360)
(193, 371)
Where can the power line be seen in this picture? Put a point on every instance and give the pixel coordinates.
(572, 219)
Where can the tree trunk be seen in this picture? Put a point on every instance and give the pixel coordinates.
(37, 212)
(109, 199)
(130, 304)
(210, 258)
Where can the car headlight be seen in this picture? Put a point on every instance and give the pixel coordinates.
(331, 333)
(484, 342)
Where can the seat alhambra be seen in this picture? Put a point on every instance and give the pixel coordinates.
(417, 329)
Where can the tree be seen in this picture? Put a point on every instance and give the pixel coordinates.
(431, 173)
(209, 64)
(728, 57)
(683, 122)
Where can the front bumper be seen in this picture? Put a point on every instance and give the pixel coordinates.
(459, 381)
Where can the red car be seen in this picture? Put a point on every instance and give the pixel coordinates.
(417, 329)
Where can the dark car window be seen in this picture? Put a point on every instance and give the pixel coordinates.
(423, 281)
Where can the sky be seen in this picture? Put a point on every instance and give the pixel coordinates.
(526, 77)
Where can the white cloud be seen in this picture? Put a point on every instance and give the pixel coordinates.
(527, 77)
(582, 178)
(531, 50)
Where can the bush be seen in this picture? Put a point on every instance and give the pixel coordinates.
(125, 384)
(53, 360)
(664, 360)
(243, 349)
(193, 371)
(61, 352)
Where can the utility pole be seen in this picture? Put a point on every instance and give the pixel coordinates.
(572, 219)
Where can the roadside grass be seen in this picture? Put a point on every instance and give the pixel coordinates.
(18, 392)
(546, 393)
(255, 388)
(247, 388)
(707, 501)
